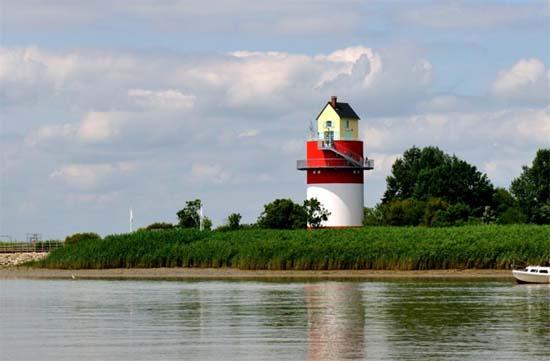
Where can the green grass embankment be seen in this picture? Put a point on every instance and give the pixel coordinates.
(380, 248)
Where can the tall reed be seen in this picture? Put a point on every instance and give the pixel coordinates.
(389, 248)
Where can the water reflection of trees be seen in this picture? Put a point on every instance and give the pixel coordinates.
(283, 309)
(336, 320)
(474, 320)
(435, 318)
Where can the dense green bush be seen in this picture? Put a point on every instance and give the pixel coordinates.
(396, 248)
(234, 221)
(407, 212)
(411, 212)
(158, 226)
(81, 237)
(283, 214)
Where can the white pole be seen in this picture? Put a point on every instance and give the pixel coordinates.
(131, 221)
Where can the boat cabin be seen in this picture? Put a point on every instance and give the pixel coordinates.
(538, 269)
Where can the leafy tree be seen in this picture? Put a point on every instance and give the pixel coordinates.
(189, 217)
(283, 214)
(401, 183)
(428, 172)
(316, 214)
(159, 226)
(234, 221)
(532, 188)
(511, 216)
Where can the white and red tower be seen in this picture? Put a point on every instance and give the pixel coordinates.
(335, 164)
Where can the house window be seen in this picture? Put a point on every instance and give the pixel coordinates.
(328, 124)
(347, 123)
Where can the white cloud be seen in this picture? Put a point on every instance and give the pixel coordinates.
(145, 127)
(446, 103)
(98, 199)
(88, 177)
(348, 57)
(528, 80)
(503, 170)
(468, 130)
(100, 126)
(163, 99)
(210, 173)
(383, 163)
(47, 133)
(23, 78)
(249, 133)
(248, 81)
(241, 16)
(533, 126)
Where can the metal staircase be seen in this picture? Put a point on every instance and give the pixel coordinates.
(356, 162)
(348, 155)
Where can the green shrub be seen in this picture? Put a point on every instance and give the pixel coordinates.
(283, 214)
(81, 237)
(159, 226)
(542, 214)
(456, 215)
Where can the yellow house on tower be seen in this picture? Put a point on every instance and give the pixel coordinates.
(338, 121)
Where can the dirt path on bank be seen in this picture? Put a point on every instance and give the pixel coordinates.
(231, 273)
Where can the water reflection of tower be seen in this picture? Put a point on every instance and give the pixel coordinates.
(336, 321)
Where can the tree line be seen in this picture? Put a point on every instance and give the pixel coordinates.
(280, 214)
(431, 188)
(427, 187)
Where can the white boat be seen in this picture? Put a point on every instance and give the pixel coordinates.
(532, 274)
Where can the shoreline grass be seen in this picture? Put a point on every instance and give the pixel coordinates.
(376, 248)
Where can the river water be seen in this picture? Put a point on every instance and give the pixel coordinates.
(249, 320)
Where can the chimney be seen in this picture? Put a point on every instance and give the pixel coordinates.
(333, 101)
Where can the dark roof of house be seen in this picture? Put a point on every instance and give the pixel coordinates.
(344, 110)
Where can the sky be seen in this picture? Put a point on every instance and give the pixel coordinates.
(111, 105)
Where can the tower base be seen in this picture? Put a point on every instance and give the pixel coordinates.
(343, 200)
